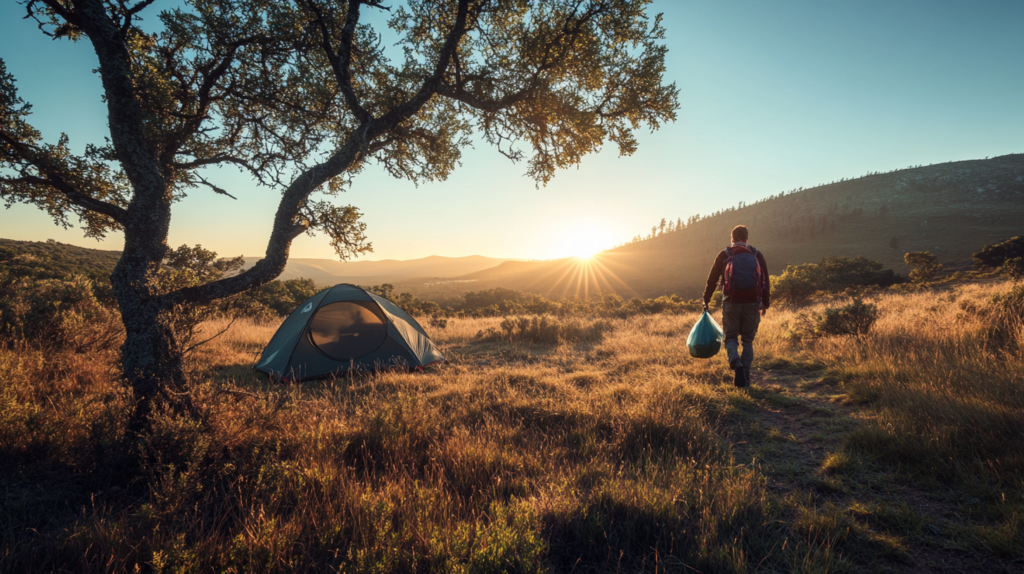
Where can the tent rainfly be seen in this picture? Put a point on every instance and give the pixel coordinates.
(346, 328)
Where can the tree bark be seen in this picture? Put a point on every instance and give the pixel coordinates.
(151, 361)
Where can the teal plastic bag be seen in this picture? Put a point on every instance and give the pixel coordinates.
(705, 338)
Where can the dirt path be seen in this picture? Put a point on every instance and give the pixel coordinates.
(792, 423)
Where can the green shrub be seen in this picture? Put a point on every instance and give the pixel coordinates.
(188, 267)
(857, 318)
(60, 313)
(923, 266)
(853, 319)
(798, 284)
(844, 272)
(283, 297)
(997, 254)
(1014, 268)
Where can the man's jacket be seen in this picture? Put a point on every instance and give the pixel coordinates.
(716, 275)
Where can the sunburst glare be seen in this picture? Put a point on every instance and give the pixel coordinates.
(583, 241)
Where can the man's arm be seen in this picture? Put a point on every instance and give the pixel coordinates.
(713, 277)
(766, 288)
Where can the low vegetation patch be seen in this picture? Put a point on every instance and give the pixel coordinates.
(549, 330)
(853, 319)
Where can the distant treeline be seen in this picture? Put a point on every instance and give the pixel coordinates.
(282, 297)
(798, 227)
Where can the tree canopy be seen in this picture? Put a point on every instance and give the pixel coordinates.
(302, 95)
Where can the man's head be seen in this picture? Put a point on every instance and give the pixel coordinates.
(739, 234)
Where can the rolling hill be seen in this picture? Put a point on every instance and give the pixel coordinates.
(54, 259)
(64, 259)
(950, 209)
(331, 272)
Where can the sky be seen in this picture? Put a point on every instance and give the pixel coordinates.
(773, 96)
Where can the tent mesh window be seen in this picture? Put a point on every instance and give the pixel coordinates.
(348, 329)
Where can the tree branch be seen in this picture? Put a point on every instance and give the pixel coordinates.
(80, 199)
(129, 13)
(216, 189)
(401, 112)
(458, 93)
(192, 124)
(287, 226)
(55, 180)
(341, 61)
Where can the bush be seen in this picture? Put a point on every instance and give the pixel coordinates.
(857, 318)
(923, 266)
(548, 330)
(65, 314)
(853, 319)
(188, 267)
(997, 254)
(799, 283)
(283, 297)
(843, 272)
(796, 285)
(1014, 268)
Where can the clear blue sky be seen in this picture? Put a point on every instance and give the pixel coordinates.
(774, 95)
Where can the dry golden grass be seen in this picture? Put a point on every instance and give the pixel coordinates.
(949, 398)
(616, 454)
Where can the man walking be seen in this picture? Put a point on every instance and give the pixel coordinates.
(745, 289)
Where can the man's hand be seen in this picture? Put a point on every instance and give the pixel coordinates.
(763, 311)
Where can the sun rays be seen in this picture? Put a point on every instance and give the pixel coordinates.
(584, 277)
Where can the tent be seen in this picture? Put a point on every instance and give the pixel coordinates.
(346, 328)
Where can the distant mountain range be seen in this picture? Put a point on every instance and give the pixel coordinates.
(950, 209)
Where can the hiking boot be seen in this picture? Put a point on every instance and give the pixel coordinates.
(741, 377)
(746, 375)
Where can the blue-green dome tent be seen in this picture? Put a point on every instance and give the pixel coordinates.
(346, 328)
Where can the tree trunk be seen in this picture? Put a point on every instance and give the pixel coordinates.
(151, 361)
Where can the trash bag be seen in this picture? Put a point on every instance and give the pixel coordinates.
(705, 338)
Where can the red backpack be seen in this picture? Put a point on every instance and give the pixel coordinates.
(742, 277)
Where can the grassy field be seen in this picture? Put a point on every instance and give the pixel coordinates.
(574, 445)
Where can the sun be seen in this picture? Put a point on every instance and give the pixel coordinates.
(584, 241)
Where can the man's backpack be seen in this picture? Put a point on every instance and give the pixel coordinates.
(742, 275)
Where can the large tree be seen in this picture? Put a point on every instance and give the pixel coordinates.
(301, 95)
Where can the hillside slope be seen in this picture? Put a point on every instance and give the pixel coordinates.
(950, 209)
(331, 272)
(55, 259)
(62, 259)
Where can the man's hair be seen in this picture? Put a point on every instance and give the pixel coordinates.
(739, 233)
